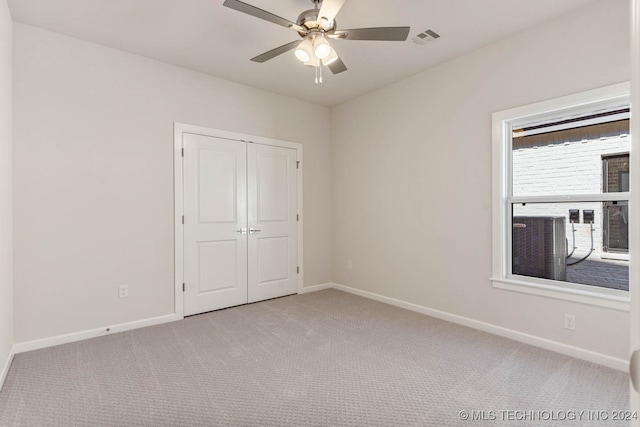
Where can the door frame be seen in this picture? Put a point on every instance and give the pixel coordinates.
(634, 199)
(178, 185)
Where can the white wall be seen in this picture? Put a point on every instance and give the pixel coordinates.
(93, 177)
(6, 249)
(412, 176)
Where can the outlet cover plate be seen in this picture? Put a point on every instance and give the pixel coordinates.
(570, 322)
(123, 291)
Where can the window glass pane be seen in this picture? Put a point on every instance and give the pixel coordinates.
(567, 242)
(615, 173)
(570, 161)
(615, 231)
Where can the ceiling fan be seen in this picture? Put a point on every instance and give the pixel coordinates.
(315, 26)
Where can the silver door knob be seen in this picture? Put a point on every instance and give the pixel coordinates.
(253, 230)
(242, 231)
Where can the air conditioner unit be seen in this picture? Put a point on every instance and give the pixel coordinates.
(539, 247)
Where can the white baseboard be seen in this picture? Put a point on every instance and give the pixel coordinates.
(91, 333)
(98, 332)
(7, 365)
(315, 288)
(579, 353)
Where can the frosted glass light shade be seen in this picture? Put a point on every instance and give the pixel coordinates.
(313, 62)
(304, 51)
(321, 47)
(333, 56)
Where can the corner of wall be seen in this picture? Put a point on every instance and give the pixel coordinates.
(5, 369)
(6, 191)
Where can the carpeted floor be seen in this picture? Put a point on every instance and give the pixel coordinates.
(321, 359)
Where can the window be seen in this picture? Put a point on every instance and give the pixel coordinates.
(561, 191)
(615, 230)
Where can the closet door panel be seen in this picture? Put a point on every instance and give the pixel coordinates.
(215, 208)
(272, 213)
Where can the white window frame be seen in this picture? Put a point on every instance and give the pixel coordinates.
(503, 124)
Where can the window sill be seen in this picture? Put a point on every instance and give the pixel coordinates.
(606, 298)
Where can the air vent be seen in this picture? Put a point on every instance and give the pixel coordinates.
(426, 37)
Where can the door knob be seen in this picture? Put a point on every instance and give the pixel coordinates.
(242, 231)
(253, 230)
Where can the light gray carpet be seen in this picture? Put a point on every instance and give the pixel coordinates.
(321, 359)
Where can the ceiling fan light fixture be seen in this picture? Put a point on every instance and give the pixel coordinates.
(316, 26)
(321, 47)
(313, 62)
(333, 57)
(304, 51)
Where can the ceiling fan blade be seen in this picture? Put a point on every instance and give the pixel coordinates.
(398, 34)
(275, 52)
(330, 9)
(337, 66)
(262, 14)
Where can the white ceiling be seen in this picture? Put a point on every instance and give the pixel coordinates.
(205, 36)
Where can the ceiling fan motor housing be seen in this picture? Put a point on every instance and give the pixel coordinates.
(309, 19)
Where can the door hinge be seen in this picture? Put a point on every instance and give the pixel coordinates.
(182, 152)
(298, 165)
(298, 217)
(182, 219)
(183, 287)
(298, 270)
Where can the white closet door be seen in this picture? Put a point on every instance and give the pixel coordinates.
(215, 208)
(272, 207)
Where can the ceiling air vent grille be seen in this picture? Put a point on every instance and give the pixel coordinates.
(426, 37)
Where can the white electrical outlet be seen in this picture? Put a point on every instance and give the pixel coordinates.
(123, 291)
(349, 265)
(570, 322)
